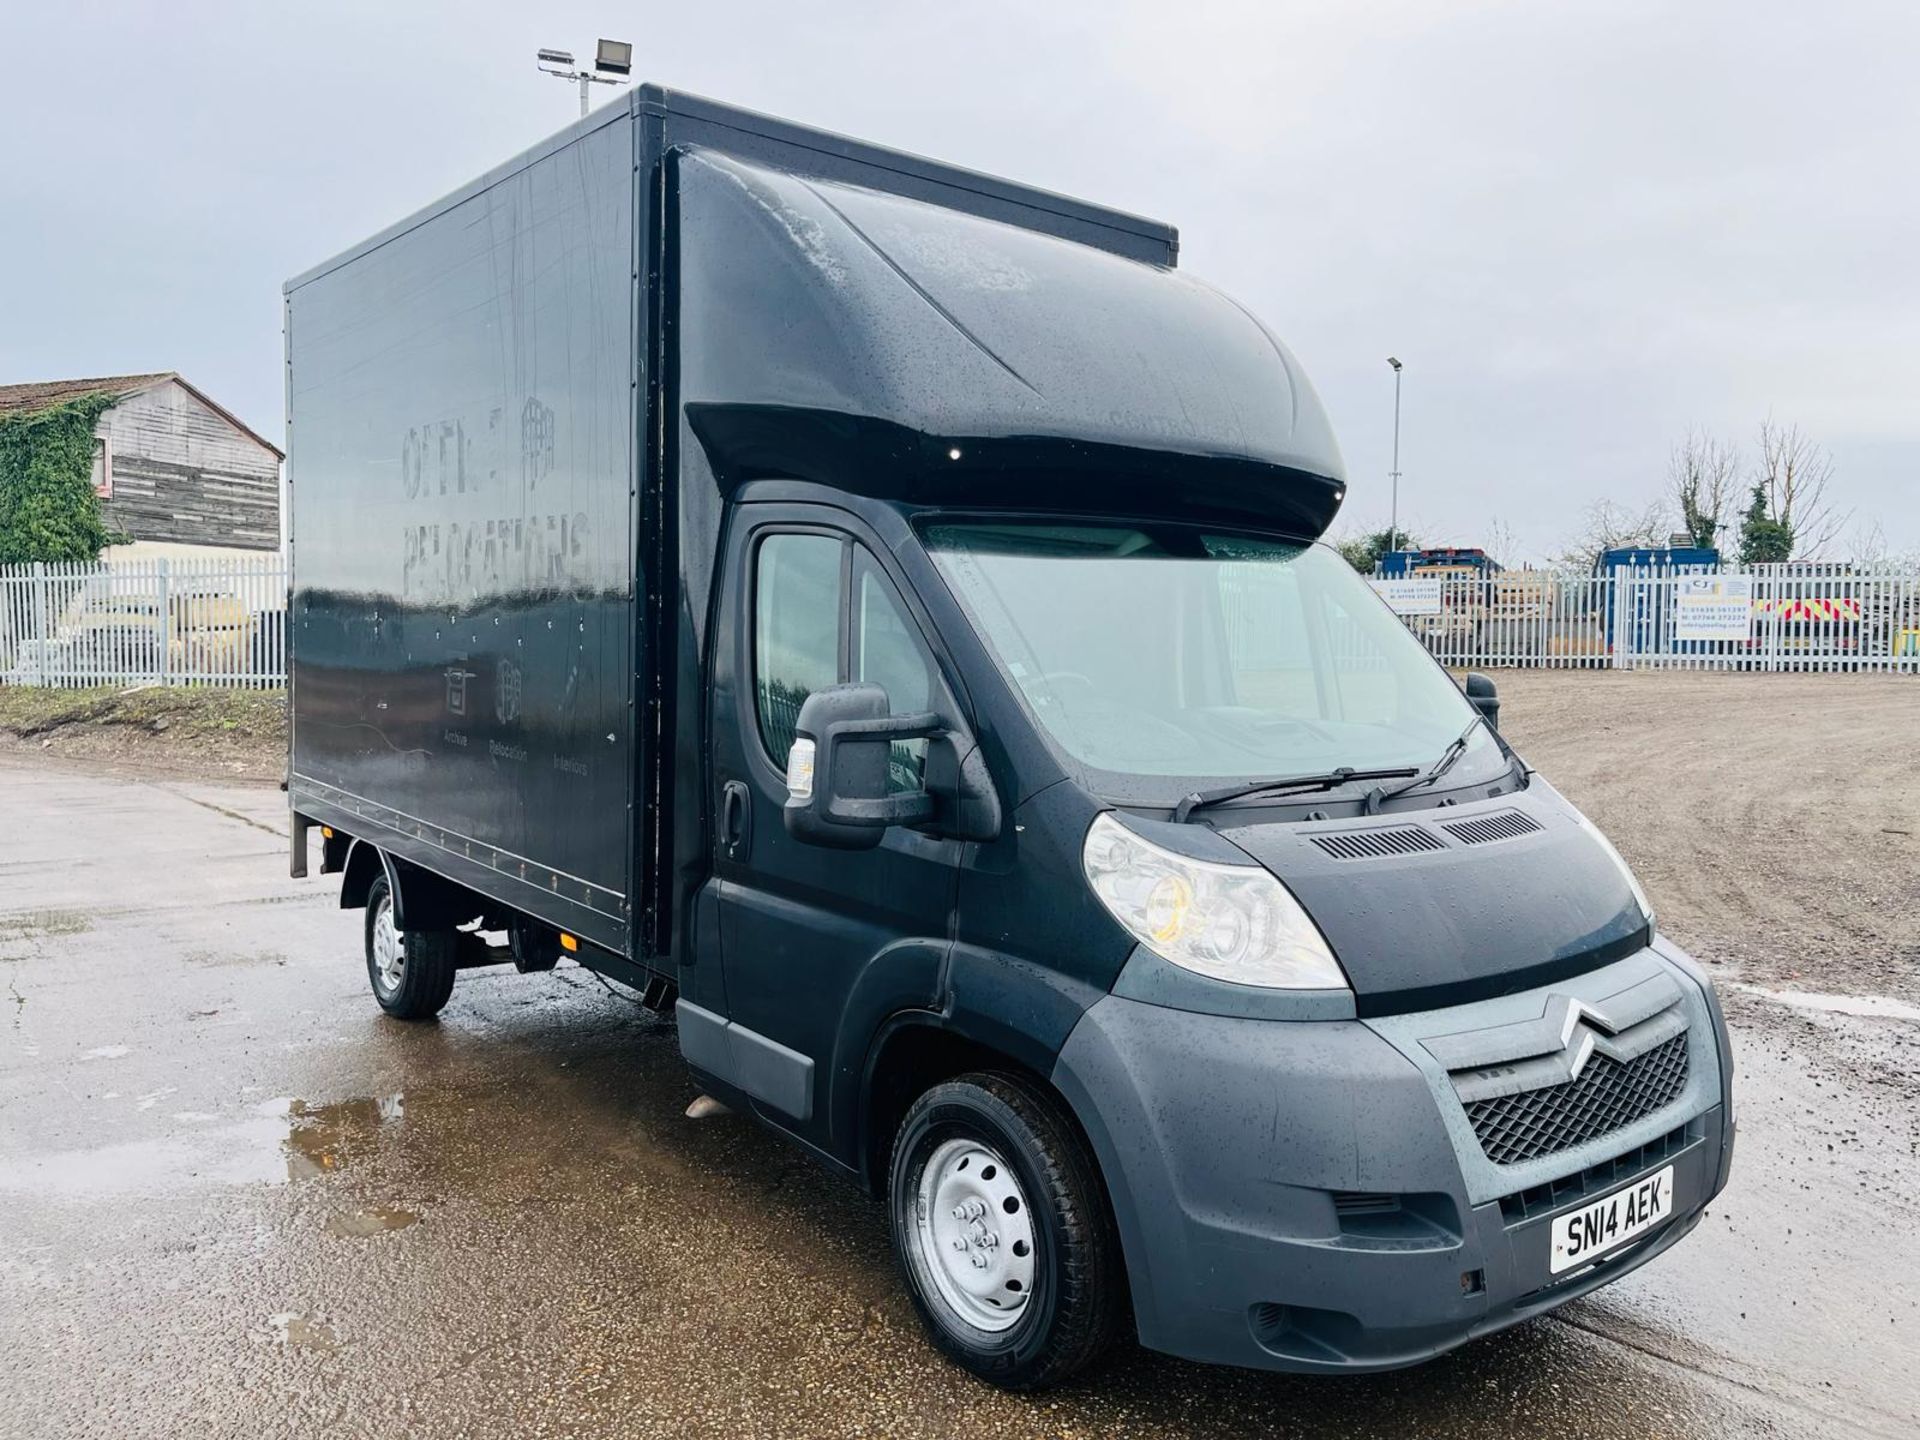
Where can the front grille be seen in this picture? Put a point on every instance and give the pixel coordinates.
(1606, 1095)
(1538, 1200)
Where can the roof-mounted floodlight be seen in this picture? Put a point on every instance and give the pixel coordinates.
(613, 62)
(615, 57)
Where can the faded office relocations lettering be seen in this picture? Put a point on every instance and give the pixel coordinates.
(548, 548)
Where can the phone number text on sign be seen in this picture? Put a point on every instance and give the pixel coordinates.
(1713, 607)
(1409, 597)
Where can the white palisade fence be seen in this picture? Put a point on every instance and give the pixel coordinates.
(169, 622)
(1792, 617)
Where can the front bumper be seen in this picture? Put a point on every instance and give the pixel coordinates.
(1309, 1195)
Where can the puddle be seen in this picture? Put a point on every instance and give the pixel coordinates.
(244, 1154)
(40, 924)
(278, 1141)
(227, 959)
(1865, 1007)
(324, 1138)
(363, 1224)
(302, 1332)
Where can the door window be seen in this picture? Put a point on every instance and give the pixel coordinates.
(796, 630)
(888, 652)
(802, 590)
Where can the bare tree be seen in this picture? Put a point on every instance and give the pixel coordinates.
(1868, 546)
(1870, 549)
(1609, 525)
(1795, 473)
(1703, 480)
(1502, 544)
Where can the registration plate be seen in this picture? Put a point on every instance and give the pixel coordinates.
(1586, 1234)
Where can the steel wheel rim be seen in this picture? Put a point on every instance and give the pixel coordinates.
(973, 1234)
(389, 951)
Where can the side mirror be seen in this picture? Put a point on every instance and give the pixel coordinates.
(841, 764)
(1484, 696)
(838, 769)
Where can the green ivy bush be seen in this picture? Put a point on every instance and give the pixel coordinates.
(48, 511)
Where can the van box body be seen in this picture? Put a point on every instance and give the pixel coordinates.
(504, 517)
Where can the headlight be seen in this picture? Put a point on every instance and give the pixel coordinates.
(1626, 870)
(1232, 922)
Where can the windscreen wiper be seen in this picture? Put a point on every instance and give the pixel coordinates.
(1202, 799)
(1446, 762)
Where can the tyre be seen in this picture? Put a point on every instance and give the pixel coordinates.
(411, 973)
(1002, 1231)
(536, 947)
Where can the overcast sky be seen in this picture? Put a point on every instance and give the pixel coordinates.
(1584, 227)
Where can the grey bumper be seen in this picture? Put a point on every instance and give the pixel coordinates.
(1310, 1196)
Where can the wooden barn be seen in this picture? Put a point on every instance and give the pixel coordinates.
(176, 472)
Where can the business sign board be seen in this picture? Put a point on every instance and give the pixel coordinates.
(1713, 607)
(1419, 596)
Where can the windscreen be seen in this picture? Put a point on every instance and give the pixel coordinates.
(1148, 651)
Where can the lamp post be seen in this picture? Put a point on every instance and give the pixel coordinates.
(1393, 522)
(612, 64)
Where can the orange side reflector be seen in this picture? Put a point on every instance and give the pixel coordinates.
(567, 942)
(327, 831)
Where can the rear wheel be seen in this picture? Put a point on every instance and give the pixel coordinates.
(1001, 1228)
(411, 971)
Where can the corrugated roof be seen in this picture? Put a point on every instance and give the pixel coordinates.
(42, 394)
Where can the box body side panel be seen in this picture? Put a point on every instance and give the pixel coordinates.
(462, 398)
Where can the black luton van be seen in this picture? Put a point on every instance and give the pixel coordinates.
(875, 611)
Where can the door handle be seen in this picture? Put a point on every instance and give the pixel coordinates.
(736, 814)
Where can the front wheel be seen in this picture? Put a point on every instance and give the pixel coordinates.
(412, 971)
(1002, 1231)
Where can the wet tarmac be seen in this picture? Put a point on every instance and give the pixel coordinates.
(236, 1201)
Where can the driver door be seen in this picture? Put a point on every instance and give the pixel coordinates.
(802, 927)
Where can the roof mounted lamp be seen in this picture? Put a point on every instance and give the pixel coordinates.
(614, 57)
(612, 65)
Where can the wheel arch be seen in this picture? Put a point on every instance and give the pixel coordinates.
(422, 900)
(996, 1012)
(915, 1050)
(365, 862)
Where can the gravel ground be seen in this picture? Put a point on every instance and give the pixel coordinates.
(1773, 819)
